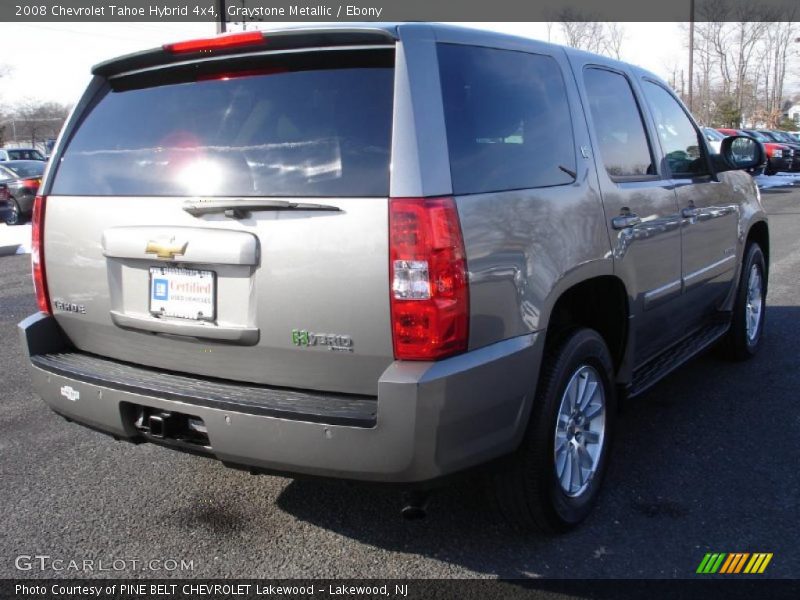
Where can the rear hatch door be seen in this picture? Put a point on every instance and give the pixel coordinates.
(229, 219)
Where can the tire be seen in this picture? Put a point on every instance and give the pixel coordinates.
(530, 492)
(13, 215)
(744, 337)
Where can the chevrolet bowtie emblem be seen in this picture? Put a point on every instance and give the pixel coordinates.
(166, 249)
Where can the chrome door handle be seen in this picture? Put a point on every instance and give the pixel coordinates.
(689, 213)
(625, 221)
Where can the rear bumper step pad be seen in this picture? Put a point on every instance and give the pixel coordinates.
(311, 406)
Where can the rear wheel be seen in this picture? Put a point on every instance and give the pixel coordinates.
(553, 481)
(749, 310)
(14, 215)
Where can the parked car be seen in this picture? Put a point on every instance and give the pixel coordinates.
(714, 139)
(20, 154)
(19, 182)
(266, 290)
(788, 151)
(787, 140)
(779, 156)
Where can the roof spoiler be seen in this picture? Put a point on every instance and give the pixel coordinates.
(289, 39)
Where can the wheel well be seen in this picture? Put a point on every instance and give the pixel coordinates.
(759, 233)
(600, 304)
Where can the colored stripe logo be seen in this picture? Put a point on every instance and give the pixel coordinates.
(734, 562)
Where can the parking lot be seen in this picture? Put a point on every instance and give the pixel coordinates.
(705, 462)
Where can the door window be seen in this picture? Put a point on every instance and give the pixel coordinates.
(679, 139)
(618, 124)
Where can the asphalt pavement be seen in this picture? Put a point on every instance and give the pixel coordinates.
(705, 462)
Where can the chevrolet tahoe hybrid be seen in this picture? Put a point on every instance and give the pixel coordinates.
(387, 253)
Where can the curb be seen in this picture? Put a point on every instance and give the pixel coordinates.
(9, 250)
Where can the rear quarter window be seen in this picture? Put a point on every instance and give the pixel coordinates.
(507, 118)
(320, 128)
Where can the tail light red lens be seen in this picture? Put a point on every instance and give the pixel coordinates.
(222, 42)
(37, 255)
(428, 272)
(33, 182)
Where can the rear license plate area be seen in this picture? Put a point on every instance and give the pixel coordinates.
(183, 293)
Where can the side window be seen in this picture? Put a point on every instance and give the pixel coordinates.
(618, 124)
(507, 118)
(679, 138)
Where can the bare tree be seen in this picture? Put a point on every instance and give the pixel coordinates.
(593, 36)
(777, 45)
(35, 121)
(615, 33)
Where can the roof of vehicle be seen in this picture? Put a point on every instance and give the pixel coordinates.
(21, 148)
(347, 34)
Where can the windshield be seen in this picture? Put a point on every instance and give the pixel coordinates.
(25, 154)
(757, 135)
(771, 136)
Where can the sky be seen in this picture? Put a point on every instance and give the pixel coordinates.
(51, 61)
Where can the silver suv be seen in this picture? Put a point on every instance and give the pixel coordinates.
(387, 253)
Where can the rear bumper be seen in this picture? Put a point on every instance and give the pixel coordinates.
(429, 419)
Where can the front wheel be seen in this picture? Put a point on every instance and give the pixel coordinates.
(749, 311)
(552, 482)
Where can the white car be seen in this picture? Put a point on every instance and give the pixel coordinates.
(714, 138)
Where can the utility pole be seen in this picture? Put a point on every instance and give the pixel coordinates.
(221, 23)
(691, 56)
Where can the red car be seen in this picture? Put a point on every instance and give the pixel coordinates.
(779, 157)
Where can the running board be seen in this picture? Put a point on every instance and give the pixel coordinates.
(662, 365)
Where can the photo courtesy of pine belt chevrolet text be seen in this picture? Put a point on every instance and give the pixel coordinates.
(388, 253)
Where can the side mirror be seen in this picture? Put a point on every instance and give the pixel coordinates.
(741, 152)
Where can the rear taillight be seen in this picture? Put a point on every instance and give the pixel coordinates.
(222, 42)
(37, 255)
(31, 183)
(428, 272)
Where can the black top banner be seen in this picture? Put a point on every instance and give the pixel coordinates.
(394, 10)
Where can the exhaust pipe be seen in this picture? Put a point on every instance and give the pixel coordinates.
(415, 507)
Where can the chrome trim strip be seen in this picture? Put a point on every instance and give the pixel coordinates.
(709, 271)
(658, 295)
(246, 336)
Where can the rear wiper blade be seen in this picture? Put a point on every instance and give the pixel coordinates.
(240, 208)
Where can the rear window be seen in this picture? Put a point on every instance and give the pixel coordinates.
(507, 118)
(28, 169)
(318, 126)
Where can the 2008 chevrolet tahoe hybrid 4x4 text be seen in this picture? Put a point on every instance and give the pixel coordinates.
(387, 253)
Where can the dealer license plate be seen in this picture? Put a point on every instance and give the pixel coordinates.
(182, 293)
